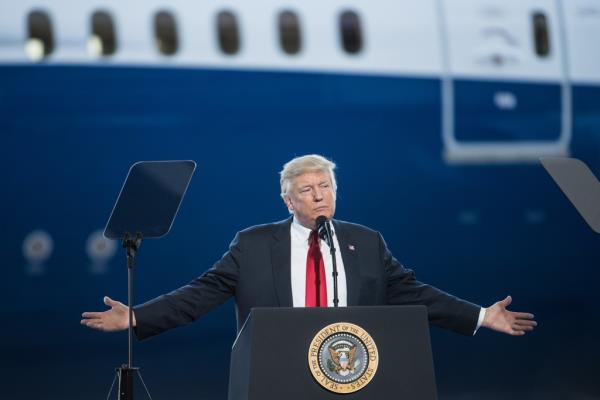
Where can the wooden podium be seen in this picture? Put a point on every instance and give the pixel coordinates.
(333, 353)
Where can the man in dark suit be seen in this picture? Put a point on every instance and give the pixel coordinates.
(285, 264)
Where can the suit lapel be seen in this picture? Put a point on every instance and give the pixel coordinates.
(281, 263)
(349, 257)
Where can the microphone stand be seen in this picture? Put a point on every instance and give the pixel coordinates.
(329, 239)
(334, 273)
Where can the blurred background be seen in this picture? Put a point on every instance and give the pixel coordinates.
(436, 113)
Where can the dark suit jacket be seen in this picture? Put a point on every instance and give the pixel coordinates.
(257, 271)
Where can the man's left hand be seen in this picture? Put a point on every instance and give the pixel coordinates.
(498, 318)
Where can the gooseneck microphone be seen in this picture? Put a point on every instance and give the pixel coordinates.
(324, 230)
(325, 233)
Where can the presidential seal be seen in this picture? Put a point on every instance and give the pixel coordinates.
(343, 357)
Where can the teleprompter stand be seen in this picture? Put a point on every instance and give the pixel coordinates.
(147, 205)
(125, 373)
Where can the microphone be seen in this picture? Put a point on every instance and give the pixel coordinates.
(324, 230)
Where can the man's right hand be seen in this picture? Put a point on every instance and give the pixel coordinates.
(115, 319)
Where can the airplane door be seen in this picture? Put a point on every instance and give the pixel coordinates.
(582, 22)
(506, 96)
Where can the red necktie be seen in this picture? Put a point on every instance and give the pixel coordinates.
(316, 287)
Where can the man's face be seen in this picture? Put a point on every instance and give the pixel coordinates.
(310, 195)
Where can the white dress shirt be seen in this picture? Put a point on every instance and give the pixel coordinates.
(299, 245)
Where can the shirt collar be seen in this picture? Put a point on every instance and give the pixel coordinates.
(302, 232)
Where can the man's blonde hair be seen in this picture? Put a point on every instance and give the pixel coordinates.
(303, 164)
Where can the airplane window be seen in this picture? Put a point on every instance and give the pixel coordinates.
(541, 34)
(350, 32)
(103, 41)
(165, 31)
(289, 32)
(229, 37)
(40, 41)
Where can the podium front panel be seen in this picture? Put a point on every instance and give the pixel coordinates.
(270, 357)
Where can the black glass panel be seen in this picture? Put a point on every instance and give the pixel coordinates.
(150, 198)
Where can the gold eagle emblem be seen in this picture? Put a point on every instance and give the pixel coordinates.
(343, 355)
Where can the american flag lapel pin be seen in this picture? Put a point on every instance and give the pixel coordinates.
(351, 247)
